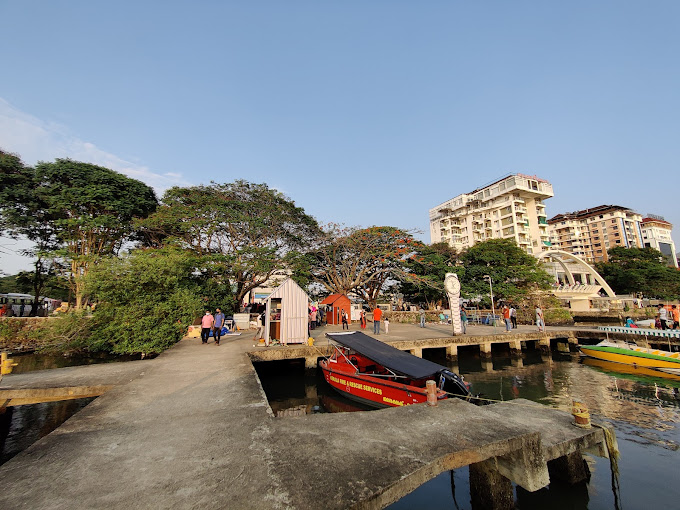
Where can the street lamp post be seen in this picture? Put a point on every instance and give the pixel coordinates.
(493, 309)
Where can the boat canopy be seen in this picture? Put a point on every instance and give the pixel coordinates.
(390, 357)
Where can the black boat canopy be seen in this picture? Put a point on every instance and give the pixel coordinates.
(390, 357)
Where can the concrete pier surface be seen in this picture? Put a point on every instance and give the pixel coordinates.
(67, 383)
(196, 431)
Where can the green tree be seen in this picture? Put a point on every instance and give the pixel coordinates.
(427, 267)
(362, 260)
(514, 272)
(242, 232)
(146, 300)
(91, 209)
(633, 270)
(25, 213)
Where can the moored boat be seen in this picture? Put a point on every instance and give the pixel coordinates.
(374, 373)
(631, 354)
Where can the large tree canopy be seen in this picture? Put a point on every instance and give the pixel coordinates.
(514, 272)
(633, 270)
(362, 260)
(427, 268)
(91, 209)
(243, 232)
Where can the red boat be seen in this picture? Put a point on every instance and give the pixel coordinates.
(377, 374)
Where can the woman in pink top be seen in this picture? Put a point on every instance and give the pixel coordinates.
(207, 322)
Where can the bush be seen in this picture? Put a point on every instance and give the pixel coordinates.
(147, 301)
(558, 317)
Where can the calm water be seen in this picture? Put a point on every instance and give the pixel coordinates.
(644, 410)
(21, 426)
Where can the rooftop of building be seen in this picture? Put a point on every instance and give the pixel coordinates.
(587, 213)
(657, 220)
(495, 182)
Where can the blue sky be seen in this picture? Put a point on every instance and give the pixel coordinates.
(363, 112)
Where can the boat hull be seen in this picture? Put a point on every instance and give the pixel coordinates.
(628, 369)
(372, 391)
(638, 356)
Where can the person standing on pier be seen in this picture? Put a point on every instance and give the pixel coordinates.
(218, 324)
(377, 315)
(463, 318)
(675, 312)
(663, 316)
(207, 322)
(362, 319)
(344, 320)
(506, 318)
(422, 317)
(539, 319)
(513, 316)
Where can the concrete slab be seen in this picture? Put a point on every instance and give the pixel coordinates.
(85, 375)
(195, 431)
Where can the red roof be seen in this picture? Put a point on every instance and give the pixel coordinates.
(655, 220)
(333, 298)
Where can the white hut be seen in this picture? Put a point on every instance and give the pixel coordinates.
(286, 315)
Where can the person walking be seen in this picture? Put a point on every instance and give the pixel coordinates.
(506, 318)
(312, 318)
(675, 312)
(539, 319)
(422, 317)
(513, 316)
(344, 321)
(377, 315)
(218, 324)
(362, 318)
(207, 322)
(463, 319)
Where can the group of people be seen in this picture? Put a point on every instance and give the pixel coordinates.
(510, 317)
(213, 323)
(377, 318)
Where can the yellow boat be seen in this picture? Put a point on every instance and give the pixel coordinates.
(631, 371)
(631, 354)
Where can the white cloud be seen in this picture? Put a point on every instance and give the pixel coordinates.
(36, 140)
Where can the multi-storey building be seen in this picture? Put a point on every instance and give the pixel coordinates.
(509, 208)
(571, 235)
(656, 233)
(591, 232)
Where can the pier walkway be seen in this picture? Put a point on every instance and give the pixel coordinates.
(194, 430)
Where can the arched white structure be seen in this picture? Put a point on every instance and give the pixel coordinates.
(561, 257)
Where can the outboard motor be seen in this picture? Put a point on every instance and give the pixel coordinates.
(454, 384)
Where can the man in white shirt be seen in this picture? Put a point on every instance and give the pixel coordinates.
(663, 316)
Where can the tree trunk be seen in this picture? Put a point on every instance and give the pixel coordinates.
(38, 286)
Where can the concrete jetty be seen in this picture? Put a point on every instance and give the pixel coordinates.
(196, 431)
(67, 383)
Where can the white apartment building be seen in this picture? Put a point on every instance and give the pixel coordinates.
(656, 233)
(509, 208)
